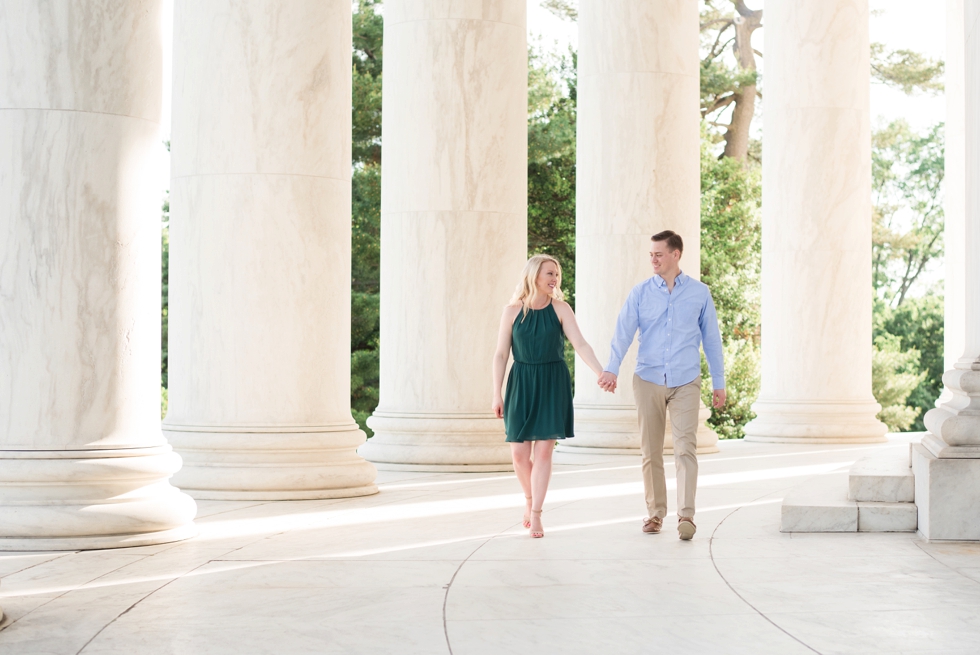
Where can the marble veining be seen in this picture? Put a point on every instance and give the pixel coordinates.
(273, 95)
(82, 461)
(314, 576)
(638, 173)
(98, 57)
(816, 178)
(259, 364)
(453, 215)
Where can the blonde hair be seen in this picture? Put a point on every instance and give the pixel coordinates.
(527, 289)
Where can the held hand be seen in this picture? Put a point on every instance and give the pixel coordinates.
(498, 407)
(607, 381)
(718, 398)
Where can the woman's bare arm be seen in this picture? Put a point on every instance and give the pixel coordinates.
(574, 335)
(500, 357)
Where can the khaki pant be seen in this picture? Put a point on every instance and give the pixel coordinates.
(652, 401)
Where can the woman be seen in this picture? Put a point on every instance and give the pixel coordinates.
(538, 409)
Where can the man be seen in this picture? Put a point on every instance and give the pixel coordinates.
(675, 315)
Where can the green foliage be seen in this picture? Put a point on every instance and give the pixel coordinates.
(916, 326)
(165, 312)
(365, 364)
(366, 228)
(566, 9)
(894, 375)
(908, 220)
(731, 263)
(165, 300)
(366, 209)
(912, 72)
(367, 56)
(552, 86)
(743, 360)
(907, 236)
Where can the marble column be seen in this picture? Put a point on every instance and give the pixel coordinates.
(816, 227)
(954, 184)
(453, 227)
(260, 252)
(83, 463)
(638, 174)
(947, 462)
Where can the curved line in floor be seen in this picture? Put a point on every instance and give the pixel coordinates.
(445, 598)
(711, 553)
(449, 586)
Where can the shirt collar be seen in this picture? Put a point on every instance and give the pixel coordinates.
(679, 280)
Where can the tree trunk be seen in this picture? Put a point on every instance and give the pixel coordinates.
(737, 134)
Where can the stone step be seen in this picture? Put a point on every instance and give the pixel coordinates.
(884, 477)
(821, 505)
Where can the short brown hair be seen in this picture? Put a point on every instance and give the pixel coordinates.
(674, 241)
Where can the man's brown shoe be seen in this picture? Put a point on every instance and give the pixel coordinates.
(652, 526)
(686, 527)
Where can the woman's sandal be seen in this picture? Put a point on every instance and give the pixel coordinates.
(537, 534)
(527, 517)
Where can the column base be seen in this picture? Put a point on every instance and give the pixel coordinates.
(99, 542)
(611, 430)
(437, 442)
(91, 499)
(947, 492)
(271, 462)
(815, 422)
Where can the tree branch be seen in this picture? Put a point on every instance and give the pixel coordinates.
(728, 23)
(721, 103)
(745, 12)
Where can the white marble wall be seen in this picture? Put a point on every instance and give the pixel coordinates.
(816, 227)
(453, 213)
(638, 174)
(259, 366)
(84, 464)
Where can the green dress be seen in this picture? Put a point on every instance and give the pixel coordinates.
(538, 402)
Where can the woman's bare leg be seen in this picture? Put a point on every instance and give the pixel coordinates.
(540, 477)
(521, 454)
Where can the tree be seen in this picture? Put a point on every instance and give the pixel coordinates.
(908, 219)
(894, 375)
(367, 64)
(909, 71)
(731, 264)
(165, 304)
(165, 300)
(567, 9)
(552, 89)
(918, 326)
(727, 84)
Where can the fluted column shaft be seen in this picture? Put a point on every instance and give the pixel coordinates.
(83, 463)
(638, 174)
(259, 366)
(453, 226)
(816, 227)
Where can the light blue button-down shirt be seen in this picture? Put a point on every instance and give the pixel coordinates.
(672, 326)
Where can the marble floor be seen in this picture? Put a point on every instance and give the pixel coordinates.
(438, 563)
